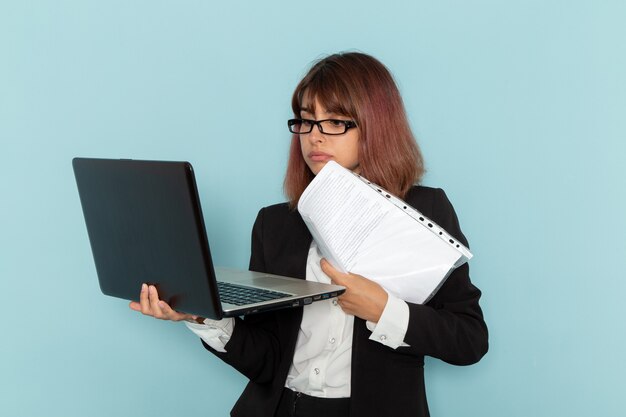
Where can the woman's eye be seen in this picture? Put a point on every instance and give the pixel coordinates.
(336, 123)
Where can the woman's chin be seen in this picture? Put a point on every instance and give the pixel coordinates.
(316, 167)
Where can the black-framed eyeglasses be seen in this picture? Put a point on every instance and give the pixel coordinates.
(326, 126)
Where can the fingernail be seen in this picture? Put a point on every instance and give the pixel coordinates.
(144, 287)
(162, 304)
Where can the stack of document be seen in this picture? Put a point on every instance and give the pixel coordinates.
(361, 228)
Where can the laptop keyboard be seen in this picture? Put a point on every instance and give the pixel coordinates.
(239, 295)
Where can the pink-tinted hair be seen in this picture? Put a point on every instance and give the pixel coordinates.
(362, 88)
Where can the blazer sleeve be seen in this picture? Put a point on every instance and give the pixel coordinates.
(254, 348)
(451, 325)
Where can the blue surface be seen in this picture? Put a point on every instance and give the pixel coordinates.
(519, 108)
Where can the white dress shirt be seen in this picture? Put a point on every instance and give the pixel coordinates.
(323, 355)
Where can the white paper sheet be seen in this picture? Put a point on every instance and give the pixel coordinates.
(361, 228)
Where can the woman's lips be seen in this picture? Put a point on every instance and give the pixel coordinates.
(319, 156)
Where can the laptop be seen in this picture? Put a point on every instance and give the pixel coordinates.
(145, 224)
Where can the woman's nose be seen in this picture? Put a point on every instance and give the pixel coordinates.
(316, 135)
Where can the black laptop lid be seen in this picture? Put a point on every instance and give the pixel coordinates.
(145, 225)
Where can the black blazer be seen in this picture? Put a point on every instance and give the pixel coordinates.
(384, 381)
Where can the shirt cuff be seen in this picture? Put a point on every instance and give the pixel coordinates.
(215, 333)
(393, 324)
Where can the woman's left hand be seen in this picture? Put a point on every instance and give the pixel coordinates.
(363, 298)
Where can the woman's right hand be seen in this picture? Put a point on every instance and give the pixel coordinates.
(150, 305)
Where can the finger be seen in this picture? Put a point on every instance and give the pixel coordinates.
(153, 296)
(143, 299)
(171, 314)
(335, 276)
(345, 306)
(345, 302)
(327, 266)
(134, 305)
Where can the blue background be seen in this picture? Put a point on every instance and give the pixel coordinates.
(519, 107)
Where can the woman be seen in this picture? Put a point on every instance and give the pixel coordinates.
(363, 353)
